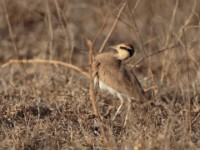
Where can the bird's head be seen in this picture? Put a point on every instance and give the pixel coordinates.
(124, 50)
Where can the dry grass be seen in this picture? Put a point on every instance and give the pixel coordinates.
(45, 106)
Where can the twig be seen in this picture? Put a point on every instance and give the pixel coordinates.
(50, 29)
(158, 52)
(132, 13)
(194, 121)
(14, 40)
(10, 28)
(92, 96)
(54, 62)
(165, 65)
(124, 22)
(136, 27)
(101, 28)
(186, 48)
(64, 25)
(187, 21)
(113, 27)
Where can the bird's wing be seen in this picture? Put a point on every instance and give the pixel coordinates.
(137, 88)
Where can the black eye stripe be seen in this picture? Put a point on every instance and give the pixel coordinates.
(125, 48)
(130, 50)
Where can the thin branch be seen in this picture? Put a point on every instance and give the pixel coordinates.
(10, 28)
(172, 21)
(136, 5)
(124, 22)
(50, 29)
(195, 119)
(12, 36)
(112, 28)
(136, 27)
(65, 27)
(158, 52)
(101, 27)
(165, 65)
(54, 62)
(186, 48)
(180, 32)
(132, 13)
(92, 95)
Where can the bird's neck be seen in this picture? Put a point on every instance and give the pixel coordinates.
(122, 55)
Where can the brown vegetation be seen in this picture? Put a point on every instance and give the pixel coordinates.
(46, 104)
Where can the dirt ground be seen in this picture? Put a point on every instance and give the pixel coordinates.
(47, 106)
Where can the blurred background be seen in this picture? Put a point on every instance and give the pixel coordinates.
(57, 29)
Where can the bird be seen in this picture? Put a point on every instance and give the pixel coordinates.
(112, 75)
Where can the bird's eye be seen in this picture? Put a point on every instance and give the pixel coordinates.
(126, 48)
(130, 50)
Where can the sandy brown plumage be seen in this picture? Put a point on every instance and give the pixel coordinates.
(113, 76)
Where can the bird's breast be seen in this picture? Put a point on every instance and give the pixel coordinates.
(104, 87)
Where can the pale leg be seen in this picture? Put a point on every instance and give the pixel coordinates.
(129, 107)
(120, 106)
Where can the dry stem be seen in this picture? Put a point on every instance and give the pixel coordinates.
(113, 27)
(50, 29)
(158, 52)
(9, 27)
(165, 63)
(92, 96)
(140, 40)
(54, 62)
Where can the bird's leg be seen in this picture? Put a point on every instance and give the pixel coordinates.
(118, 109)
(129, 107)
